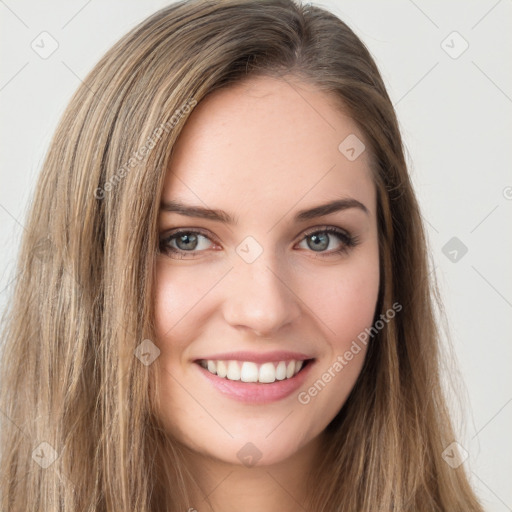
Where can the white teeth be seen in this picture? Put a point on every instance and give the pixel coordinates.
(267, 373)
(233, 371)
(222, 370)
(281, 371)
(290, 370)
(248, 371)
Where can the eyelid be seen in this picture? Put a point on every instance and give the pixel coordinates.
(199, 231)
(316, 229)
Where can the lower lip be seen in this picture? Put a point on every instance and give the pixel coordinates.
(254, 392)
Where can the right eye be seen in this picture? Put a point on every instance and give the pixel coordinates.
(184, 243)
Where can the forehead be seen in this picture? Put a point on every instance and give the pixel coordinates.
(267, 143)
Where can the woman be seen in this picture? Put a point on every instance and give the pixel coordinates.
(223, 299)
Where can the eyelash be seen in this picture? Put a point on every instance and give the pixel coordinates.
(348, 242)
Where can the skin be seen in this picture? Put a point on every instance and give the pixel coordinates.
(262, 150)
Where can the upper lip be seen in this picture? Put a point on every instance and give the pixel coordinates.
(257, 357)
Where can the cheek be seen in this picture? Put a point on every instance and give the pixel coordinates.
(345, 300)
(178, 293)
(345, 303)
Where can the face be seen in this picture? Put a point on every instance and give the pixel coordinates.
(260, 293)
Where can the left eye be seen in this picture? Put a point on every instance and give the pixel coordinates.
(320, 241)
(182, 244)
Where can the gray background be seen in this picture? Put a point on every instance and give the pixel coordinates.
(454, 108)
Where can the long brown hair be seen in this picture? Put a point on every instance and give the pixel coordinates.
(79, 430)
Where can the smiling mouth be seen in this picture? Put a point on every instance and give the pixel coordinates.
(249, 371)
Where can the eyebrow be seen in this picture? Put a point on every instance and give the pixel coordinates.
(222, 216)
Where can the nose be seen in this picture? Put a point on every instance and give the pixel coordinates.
(259, 297)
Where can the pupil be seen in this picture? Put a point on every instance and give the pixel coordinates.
(185, 239)
(318, 243)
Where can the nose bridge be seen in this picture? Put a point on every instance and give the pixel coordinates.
(258, 295)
